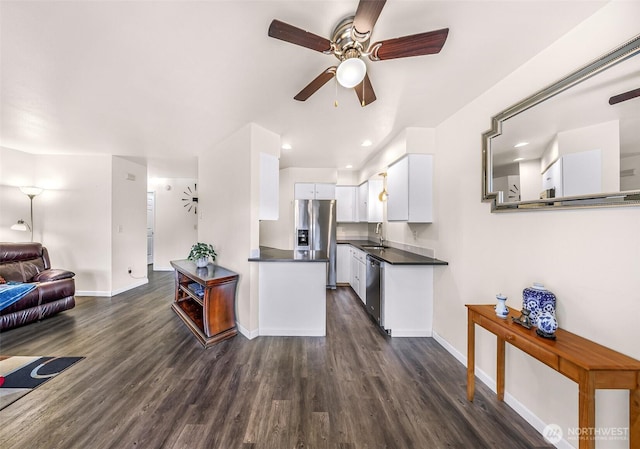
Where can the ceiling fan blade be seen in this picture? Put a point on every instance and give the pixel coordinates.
(368, 96)
(294, 35)
(316, 84)
(624, 96)
(366, 16)
(421, 44)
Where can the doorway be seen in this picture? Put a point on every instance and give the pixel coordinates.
(151, 204)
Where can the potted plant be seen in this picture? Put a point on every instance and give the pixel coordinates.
(200, 253)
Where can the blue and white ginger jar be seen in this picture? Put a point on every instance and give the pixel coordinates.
(542, 305)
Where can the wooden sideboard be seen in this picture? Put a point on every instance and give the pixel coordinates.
(591, 365)
(205, 299)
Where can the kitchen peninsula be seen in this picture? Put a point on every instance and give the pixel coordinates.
(394, 285)
(292, 292)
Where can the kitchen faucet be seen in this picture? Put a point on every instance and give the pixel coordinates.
(379, 231)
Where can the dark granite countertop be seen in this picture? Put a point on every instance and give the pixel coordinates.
(283, 255)
(392, 255)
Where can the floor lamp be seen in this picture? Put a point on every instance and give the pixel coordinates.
(31, 192)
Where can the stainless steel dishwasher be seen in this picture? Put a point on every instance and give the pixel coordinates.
(373, 288)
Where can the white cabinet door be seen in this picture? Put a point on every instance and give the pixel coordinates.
(304, 191)
(398, 189)
(410, 188)
(343, 264)
(369, 207)
(325, 191)
(362, 279)
(552, 178)
(420, 188)
(407, 300)
(346, 204)
(359, 273)
(355, 284)
(269, 187)
(314, 191)
(363, 200)
(374, 206)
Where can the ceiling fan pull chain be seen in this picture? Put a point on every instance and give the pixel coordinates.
(335, 102)
(363, 93)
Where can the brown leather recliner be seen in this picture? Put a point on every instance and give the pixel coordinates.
(29, 262)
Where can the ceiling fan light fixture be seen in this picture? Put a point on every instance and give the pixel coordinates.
(351, 72)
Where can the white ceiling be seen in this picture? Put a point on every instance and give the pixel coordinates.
(171, 79)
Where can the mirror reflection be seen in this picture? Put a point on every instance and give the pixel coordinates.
(583, 141)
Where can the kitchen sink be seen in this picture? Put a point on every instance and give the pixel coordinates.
(375, 246)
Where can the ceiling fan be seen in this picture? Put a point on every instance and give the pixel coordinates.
(350, 43)
(624, 96)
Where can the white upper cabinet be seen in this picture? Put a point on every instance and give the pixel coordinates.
(369, 206)
(269, 186)
(346, 198)
(374, 207)
(363, 201)
(314, 191)
(325, 192)
(410, 188)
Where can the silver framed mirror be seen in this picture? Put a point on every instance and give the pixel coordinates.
(575, 143)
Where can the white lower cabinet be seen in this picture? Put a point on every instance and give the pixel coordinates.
(362, 279)
(407, 300)
(343, 264)
(358, 273)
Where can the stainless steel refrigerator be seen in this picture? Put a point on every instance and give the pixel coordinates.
(315, 230)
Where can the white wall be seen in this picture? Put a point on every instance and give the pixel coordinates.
(588, 258)
(72, 216)
(176, 228)
(602, 136)
(86, 197)
(128, 224)
(416, 237)
(630, 182)
(229, 203)
(530, 180)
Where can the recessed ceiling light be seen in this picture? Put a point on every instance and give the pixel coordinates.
(366, 143)
(520, 144)
(349, 166)
(286, 146)
(518, 159)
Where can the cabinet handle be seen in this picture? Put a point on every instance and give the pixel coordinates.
(509, 337)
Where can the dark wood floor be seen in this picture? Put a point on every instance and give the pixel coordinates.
(147, 383)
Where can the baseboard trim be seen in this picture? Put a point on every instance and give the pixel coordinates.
(80, 293)
(511, 401)
(246, 332)
(155, 268)
(401, 333)
(137, 283)
(291, 333)
(102, 293)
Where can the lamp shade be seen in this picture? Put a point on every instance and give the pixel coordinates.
(19, 226)
(351, 72)
(35, 191)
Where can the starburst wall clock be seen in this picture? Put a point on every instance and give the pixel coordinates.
(191, 199)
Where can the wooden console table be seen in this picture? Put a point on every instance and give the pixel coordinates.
(591, 365)
(205, 300)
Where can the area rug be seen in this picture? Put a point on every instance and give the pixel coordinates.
(21, 374)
